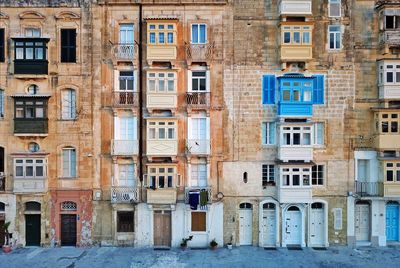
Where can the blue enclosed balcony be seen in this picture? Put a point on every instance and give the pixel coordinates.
(296, 93)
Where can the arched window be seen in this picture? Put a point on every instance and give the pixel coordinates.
(68, 104)
(68, 206)
(245, 179)
(293, 208)
(245, 206)
(69, 162)
(32, 206)
(33, 90)
(269, 206)
(2, 103)
(317, 205)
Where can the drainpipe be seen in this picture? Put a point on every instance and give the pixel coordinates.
(140, 99)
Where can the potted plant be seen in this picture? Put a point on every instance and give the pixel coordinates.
(213, 244)
(7, 246)
(229, 245)
(184, 242)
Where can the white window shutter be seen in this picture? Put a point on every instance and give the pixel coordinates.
(208, 81)
(189, 126)
(189, 175)
(208, 128)
(135, 128)
(189, 81)
(337, 215)
(116, 80)
(135, 80)
(264, 133)
(116, 127)
(145, 182)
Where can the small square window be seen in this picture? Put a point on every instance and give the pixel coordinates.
(125, 222)
(199, 223)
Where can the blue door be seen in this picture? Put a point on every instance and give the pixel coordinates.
(392, 222)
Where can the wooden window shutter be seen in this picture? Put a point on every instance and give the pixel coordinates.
(199, 221)
(68, 45)
(2, 45)
(268, 89)
(318, 89)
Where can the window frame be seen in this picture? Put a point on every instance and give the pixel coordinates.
(302, 88)
(123, 167)
(395, 169)
(161, 28)
(317, 170)
(391, 122)
(266, 135)
(334, 2)
(268, 175)
(34, 166)
(202, 230)
(293, 30)
(335, 37)
(157, 81)
(126, 79)
(291, 171)
(126, 32)
(72, 166)
(68, 50)
(290, 129)
(165, 125)
(195, 173)
(2, 44)
(131, 225)
(198, 34)
(34, 105)
(384, 70)
(156, 172)
(2, 103)
(22, 44)
(71, 114)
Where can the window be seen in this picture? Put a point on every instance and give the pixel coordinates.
(30, 49)
(296, 35)
(161, 33)
(68, 206)
(68, 45)
(126, 34)
(268, 133)
(163, 130)
(199, 81)
(33, 147)
(199, 33)
(319, 133)
(389, 123)
(2, 103)
(334, 8)
(32, 32)
(125, 222)
(317, 175)
(268, 175)
(2, 45)
(198, 129)
(68, 104)
(69, 162)
(30, 168)
(392, 171)
(296, 135)
(161, 177)
(33, 89)
(335, 40)
(126, 175)
(392, 22)
(30, 108)
(295, 176)
(32, 206)
(389, 73)
(126, 80)
(127, 129)
(198, 175)
(161, 82)
(268, 89)
(296, 90)
(363, 170)
(199, 223)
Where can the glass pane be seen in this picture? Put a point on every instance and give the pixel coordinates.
(307, 138)
(171, 133)
(161, 38)
(296, 95)
(296, 37)
(161, 182)
(306, 38)
(337, 40)
(385, 127)
(19, 113)
(152, 133)
(296, 180)
(331, 40)
(39, 171)
(203, 84)
(203, 34)
(171, 84)
(307, 95)
(152, 38)
(296, 138)
(161, 85)
(19, 54)
(286, 37)
(389, 175)
(306, 180)
(161, 133)
(170, 38)
(195, 34)
(29, 112)
(394, 127)
(152, 85)
(19, 171)
(39, 112)
(389, 77)
(39, 53)
(29, 171)
(286, 95)
(29, 53)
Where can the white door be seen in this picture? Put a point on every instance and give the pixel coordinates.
(362, 222)
(317, 225)
(269, 227)
(246, 226)
(292, 232)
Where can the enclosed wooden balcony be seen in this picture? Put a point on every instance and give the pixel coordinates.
(30, 185)
(199, 53)
(296, 53)
(161, 53)
(124, 147)
(295, 153)
(160, 100)
(390, 38)
(295, 7)
(124, 52)
(198, 100)
(387, 141)
(295, 109)
(123, 194)
(391, 189)
(389, 92)
(161, 196)
(162, 147)
(368, 188)
(30, 126)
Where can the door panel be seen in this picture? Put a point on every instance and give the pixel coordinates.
(293, 228)
(162, 229)
(317, 227)
(2, 233)
(362, 222)
(392, 222)
(68, 230)
(32, 230)
(269, 227)
(246, 226)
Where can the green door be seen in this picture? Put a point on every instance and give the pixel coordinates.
(32, 230)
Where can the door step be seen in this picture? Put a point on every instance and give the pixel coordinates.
(199, 248)
(294, 247)
(270, 248)
(162, 248)
(319, 248)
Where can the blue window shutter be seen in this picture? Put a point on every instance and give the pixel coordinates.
(318, 89)
(268, 94)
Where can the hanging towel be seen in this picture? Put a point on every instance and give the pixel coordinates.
(194, 199)
(203, 199)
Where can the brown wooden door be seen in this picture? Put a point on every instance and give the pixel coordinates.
(32, 230)
(162, 228)
(68, 230)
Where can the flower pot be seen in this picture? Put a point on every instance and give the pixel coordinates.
(6, 248)
(183, 247)
(229, 246)
(214, 247)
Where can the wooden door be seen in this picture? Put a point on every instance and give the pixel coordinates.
(392, 222)
(2, 233)
(246, 226)
(362, 222)
(317, 227)
(68, 230)
(293, 230)
(269, 227)
(162, 228)
(32, 230)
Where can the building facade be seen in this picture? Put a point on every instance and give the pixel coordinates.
(252, 122)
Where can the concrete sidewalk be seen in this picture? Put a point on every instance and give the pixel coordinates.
(112, 257)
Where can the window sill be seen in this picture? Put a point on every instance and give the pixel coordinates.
(30, 178)
(67, 178)
(67, 120)
(31, 76)
(199, 232)
(269, 146)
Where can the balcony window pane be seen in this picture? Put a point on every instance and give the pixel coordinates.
(398, 175)
(397, 77)
(152, 85)
(394, 127)
(171, 133)
(161, 38)
(389, 22)
(161, 27)
(296, 37)
(171, 85)
(19, 113)
(286, 138)
(306, 38)
(161, 181)
(286, 180)
(296, 138)
(286, 37)
(29, 53)
(337, 40)
(161, 133)
(161, 85)
(296, 95)
(296, 180)
(29, 112)
(203, 29)
(39, 53)
(19, 53)
(153, 181)
(385, 127)
(152, 133)
(307, 95)
(307, 138)
(170, 179)
(152, 27)
(389, 175)
(152, 38)
(39, 171)
(170, 27)
(39, 112)
(306, 180)
(286, 95)
(389, 77)
(19, 171)
(170, 38)
(29, 171)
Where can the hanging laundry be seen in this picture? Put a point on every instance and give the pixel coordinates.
(203, 199)
(194, 199)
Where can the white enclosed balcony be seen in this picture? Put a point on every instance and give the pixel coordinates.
(124, 147)
(295, 195)
(31, 185)
(295, 7)
(388, 79)
(289, 153)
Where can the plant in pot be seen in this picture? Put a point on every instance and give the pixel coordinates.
(184, 242)
(229, 245)
(7, 246)
(213, 244)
